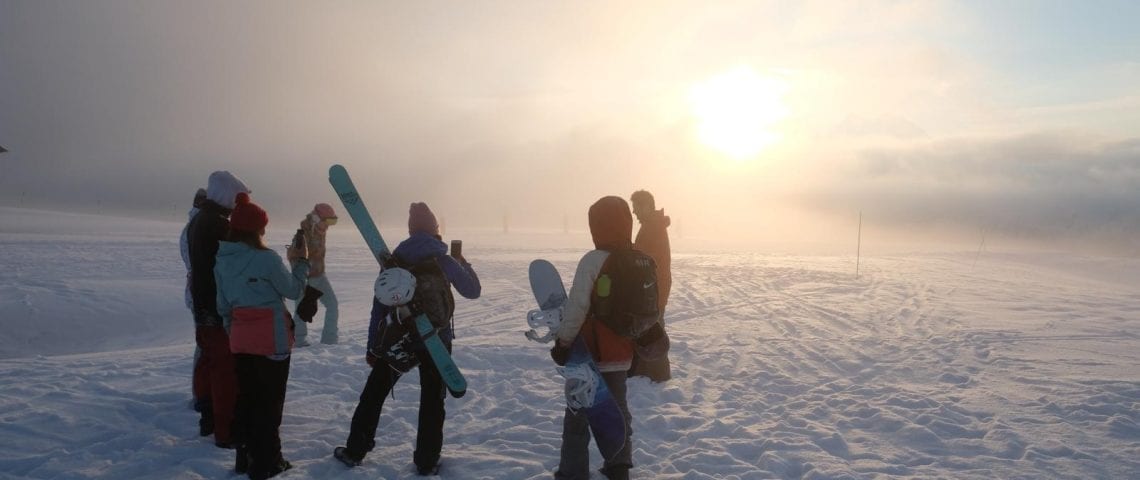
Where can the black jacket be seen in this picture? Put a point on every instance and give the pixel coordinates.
(210, 226)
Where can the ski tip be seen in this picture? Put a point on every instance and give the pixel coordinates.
(458, 394)
(336, 167)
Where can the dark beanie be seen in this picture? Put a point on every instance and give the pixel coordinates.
(199, 197)
(420, 219)
(247, 216)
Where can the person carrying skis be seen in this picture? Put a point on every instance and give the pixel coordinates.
(184, 246)
(315, 225)
(252, 285)
(654, 241)
(611, 227)
(215, 370)
(423, 251)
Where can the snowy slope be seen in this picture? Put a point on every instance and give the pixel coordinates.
(927, 366)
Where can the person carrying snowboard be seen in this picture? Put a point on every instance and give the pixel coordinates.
(654, 241)
(252, 285)
(425, 255)
(215, 372)
(611, 227)
(315, 225)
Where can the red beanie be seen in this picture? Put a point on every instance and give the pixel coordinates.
(247, 216)
(420, 219)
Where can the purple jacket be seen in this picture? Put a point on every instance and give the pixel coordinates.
(420, 247)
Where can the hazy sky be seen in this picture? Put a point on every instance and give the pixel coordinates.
(1017, 116)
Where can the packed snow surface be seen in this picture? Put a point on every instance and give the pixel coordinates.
(937, 364)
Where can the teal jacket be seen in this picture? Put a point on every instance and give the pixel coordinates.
(252, 285)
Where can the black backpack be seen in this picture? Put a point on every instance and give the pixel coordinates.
(433, 292)
(625, 293)
(399, 343)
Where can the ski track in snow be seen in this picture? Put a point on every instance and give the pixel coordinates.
(927, 366)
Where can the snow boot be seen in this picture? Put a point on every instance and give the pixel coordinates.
(241, 463)
(427, 471)
(616, 473)
(347, 458)
(261, 474)
(206, 423)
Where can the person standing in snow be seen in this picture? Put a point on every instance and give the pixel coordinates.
(215, 372)
(315, 225)
(424, 254)
(184, 246)
(252, 284)
(611, 227)
(654, 241)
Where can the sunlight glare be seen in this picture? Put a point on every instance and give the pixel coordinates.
(737, 111)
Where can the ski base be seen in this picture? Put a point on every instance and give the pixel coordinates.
(452, 377)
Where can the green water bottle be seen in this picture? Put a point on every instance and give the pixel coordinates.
(604, 285)
(602, 288)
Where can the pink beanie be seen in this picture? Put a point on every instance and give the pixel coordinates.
(324, 211)
(420, 219)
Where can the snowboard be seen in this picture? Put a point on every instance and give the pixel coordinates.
(606, 421)
(342, 184)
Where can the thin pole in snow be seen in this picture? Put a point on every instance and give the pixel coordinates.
(858, 244)
(980, 245)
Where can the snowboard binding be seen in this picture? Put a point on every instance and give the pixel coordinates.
(549, 319)
(581, 386)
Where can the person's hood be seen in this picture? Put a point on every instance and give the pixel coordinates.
(611, 224)
(234, 258)
(657, 219)
(223, 188)
(419, 247)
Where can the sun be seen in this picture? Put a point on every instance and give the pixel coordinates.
(738, 111)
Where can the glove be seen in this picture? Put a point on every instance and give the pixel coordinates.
(371, 359)
(560, 353)
(307, 307)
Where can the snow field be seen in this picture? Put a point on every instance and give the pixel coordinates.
(927, 366)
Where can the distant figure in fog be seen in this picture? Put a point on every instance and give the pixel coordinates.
(653, 239)
(315, 225)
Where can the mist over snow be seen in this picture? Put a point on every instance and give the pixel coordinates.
(1049, 190)
(930, 364)
(977, 163)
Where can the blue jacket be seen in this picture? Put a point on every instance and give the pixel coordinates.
(415, 249)
(251, 284)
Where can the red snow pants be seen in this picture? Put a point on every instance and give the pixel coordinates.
(216, 373)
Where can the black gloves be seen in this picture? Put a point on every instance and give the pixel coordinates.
(559, 353)
(307, 307)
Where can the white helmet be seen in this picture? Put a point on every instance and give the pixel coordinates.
(395, 286)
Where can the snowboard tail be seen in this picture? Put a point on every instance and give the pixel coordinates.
(346, 190)
(452, 377)
(604, 415)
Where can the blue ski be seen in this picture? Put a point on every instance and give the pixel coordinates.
(342, 184)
